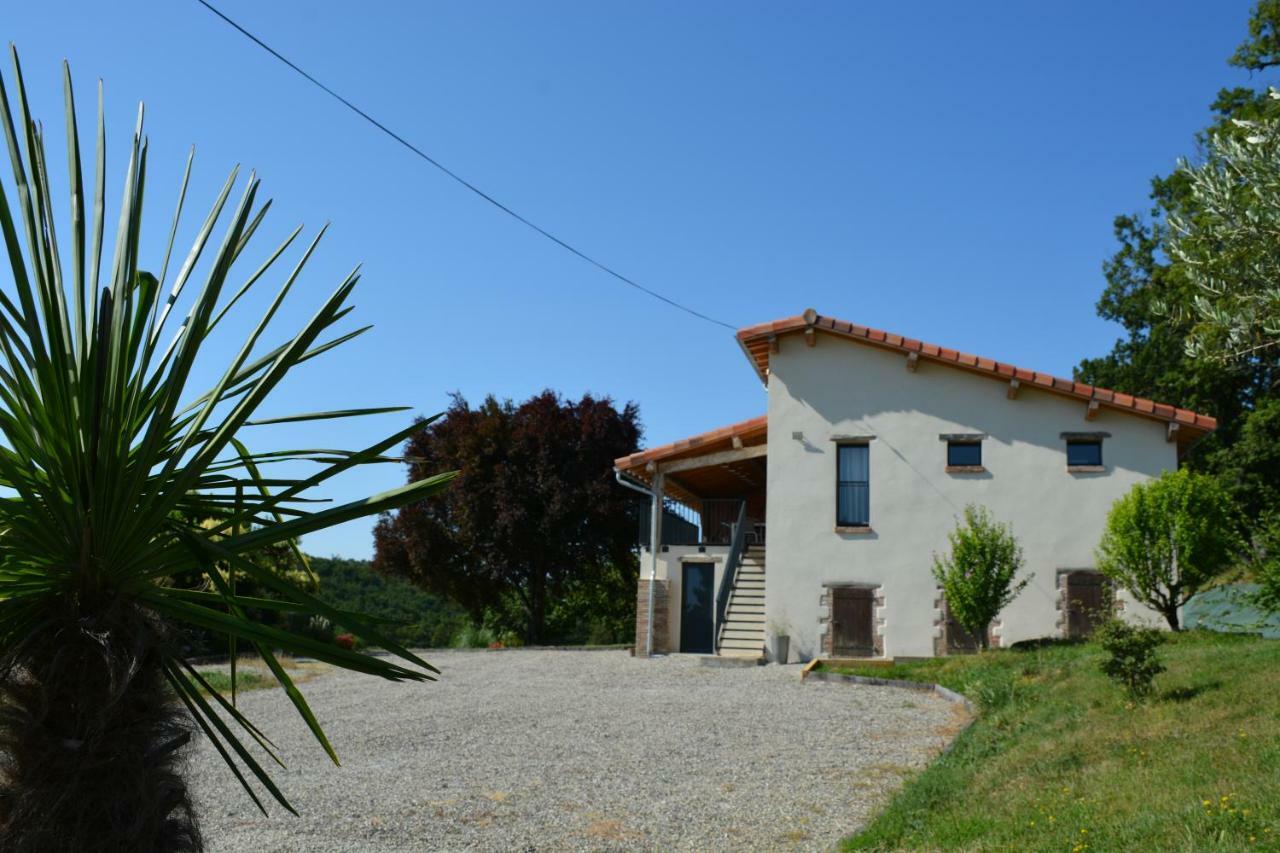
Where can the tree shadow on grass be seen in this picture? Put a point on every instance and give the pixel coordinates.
(1186, 694)
(1047, 643)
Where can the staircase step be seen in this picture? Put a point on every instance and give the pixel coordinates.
(738, 616)
(740, 646)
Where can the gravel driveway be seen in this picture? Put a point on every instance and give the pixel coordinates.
(562, 750)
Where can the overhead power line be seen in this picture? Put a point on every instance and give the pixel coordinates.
(458, 178)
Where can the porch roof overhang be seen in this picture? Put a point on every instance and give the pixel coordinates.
(721, 463)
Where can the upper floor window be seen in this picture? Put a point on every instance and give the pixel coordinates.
(964, 452)
(853, 485)
(1084, 453)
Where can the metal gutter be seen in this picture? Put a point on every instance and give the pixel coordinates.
(655, 533)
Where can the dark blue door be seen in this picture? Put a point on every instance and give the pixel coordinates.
(697, 633)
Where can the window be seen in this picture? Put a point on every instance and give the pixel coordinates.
(853, 486)
(964, 454)
(1084, 453)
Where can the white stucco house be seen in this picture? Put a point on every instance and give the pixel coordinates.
(819, 520)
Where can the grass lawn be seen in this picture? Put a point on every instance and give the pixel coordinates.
(246, 679)
(1060, 760)
(252, 674)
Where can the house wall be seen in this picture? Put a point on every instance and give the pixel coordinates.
(838, 388)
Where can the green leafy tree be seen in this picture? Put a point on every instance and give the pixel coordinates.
(110, 463)
(1168, 538)
(416, 618)
(978, 576)
(1228, 246)
(1152, 295)
(1250, 468)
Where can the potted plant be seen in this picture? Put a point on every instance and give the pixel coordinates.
(780, 631)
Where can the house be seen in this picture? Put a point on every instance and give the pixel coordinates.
(819, 520)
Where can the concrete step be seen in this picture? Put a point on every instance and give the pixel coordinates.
(734, 617)
(734, 658)
(742, 647)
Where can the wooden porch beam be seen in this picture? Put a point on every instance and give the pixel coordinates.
(1172, 433)
(913, 360)
(1091, 412)
(723, 457)
(1014, 385)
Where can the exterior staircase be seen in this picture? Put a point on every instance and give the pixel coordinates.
(743, 632)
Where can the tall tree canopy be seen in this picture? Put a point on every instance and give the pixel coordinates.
(1229, 247)
(1150, 293)
(536, 517)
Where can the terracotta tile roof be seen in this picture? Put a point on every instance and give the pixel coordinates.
(758, 341)
(753, 431)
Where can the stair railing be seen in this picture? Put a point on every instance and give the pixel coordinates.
(737, 543)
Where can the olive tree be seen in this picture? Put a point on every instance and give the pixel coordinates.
(1168, 538)
(1228, 248)
(978, 576)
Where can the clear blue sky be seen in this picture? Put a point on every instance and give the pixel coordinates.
(948, 171)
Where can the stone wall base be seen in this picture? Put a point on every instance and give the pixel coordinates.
(661, 634)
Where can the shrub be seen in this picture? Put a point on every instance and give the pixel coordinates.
(473, 637)
(1266, 564)
(346, 641)
(977, 577)
(1168, 538)
(1131, 651)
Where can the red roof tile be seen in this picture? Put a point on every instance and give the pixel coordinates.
(1114, 400)
(753, 428)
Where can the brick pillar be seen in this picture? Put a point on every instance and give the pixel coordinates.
(661, 634)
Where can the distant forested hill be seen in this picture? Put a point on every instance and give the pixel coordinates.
(419, 618)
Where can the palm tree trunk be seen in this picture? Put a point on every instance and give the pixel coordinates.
(92, 740)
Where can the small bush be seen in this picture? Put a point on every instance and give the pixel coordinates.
(473, 637)
(1131, 651)
(978, 575)
(346, 641)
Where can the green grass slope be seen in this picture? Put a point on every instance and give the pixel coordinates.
(1060, 760)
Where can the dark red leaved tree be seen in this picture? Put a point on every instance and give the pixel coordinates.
(535, 512)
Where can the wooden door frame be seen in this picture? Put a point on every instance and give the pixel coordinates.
(826, 608)
(1111, 592)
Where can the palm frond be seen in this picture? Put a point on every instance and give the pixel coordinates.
(110, 460)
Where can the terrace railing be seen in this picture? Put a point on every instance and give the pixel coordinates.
(737, 543)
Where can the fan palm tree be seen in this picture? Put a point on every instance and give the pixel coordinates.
(111, 468)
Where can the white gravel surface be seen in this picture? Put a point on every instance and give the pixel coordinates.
(532, 750)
